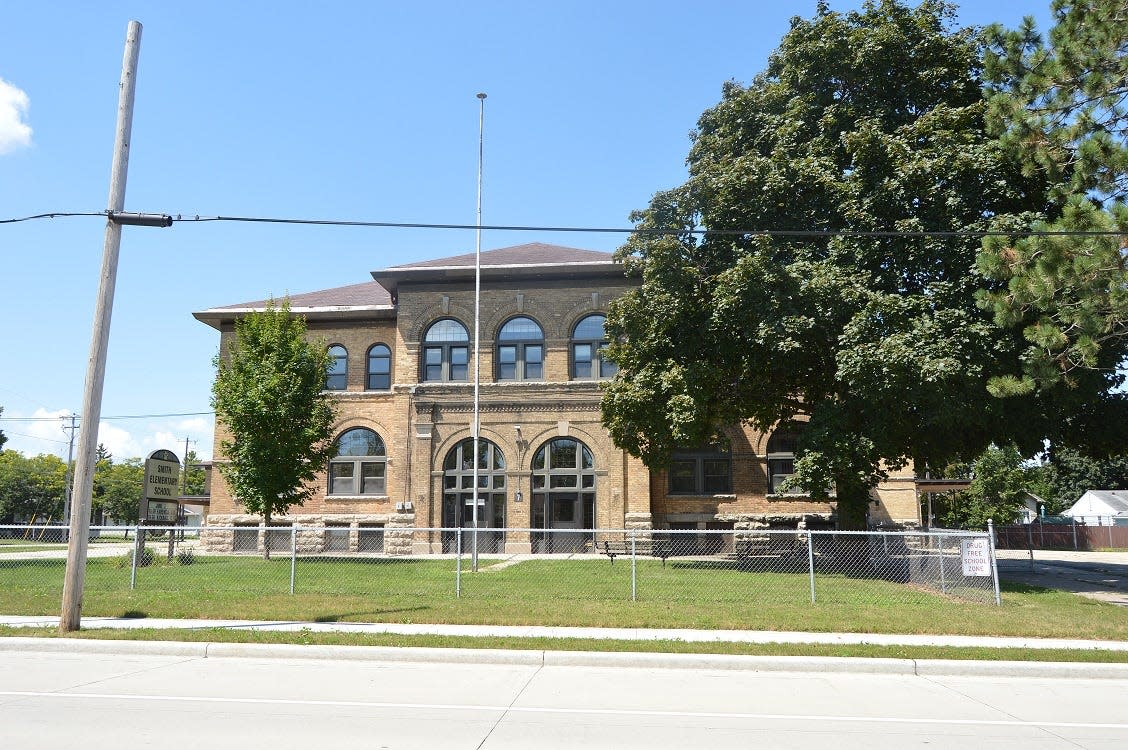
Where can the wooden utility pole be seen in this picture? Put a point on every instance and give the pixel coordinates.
(99, 342)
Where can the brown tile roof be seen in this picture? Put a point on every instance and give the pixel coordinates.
(365, 294)
(530, 254)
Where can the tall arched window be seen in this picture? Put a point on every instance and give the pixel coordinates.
(458, 493)
(782, 445)
(379, 368)
(337, 376)
(563, 495)
(446, 351)
(360, 464)
(588, 341)
(520, 350)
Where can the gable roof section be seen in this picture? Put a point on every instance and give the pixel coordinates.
(534, 260)
(366, 299)
(531, 260)
(529, 254)
(1117, 500)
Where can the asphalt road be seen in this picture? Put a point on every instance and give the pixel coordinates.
(1097, 575)
(124, 701)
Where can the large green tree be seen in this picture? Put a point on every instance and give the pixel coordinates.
(1062, 106)
(117, 488)
(31, 487)
(270, 402)
(866, 125)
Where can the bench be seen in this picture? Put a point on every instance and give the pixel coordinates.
(655, 547)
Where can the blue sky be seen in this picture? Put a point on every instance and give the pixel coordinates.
(343, 110)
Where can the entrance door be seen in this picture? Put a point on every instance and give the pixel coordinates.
(458, 511)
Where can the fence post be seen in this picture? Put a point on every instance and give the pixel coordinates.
(1030, 543)
(994, 562)
(293, 555)
(1073, 523)
(943, 582)
(1111, 523)
(811, 561)
(634, 569)
(138, 546)
(458, 561)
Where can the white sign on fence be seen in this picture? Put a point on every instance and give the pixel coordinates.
(975, 555)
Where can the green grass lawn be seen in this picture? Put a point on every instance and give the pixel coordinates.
(545, 592)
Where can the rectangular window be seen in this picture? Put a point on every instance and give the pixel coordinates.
(459, 358)
(700, 473)
(341, 478)
(433, 363)
(534, 362)
(370, 538)
(779, 471)
(507, 363)
(718, 475)
(607, 368)
(372, 478)
(581, 360)
(683, 476)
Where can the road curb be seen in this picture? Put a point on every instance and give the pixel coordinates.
(617, 659)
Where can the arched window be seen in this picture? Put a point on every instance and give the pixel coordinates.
(458, 493)
(379, 368)
(705, 471)
(782, 445)
(520, 350)
(588, 341)
(446, 351)
(563, 496)
(360, 464)
(337, 376)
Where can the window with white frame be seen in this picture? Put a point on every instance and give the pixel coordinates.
(360, 464)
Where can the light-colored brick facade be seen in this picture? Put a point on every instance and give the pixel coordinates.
(421, 422)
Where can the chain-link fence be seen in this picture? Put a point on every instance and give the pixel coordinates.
(401, 567)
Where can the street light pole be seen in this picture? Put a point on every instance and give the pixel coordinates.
(476, 427)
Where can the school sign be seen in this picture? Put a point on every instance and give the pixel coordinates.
(162, 485)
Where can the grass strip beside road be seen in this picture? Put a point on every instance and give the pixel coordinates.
(222, 635)
(547, 592)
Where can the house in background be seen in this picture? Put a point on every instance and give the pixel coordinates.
(1101, 508)
(402, 376)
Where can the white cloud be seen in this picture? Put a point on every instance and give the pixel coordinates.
(14, 131)
(122, 439)
(34, 437)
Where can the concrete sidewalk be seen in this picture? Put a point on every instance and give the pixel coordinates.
(545, 631)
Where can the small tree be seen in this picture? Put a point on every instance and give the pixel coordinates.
(268, 394)
(3, 437)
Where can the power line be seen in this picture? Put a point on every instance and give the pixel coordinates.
(53, 215)
(120, 416)
(36, 437)
(785, 233)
